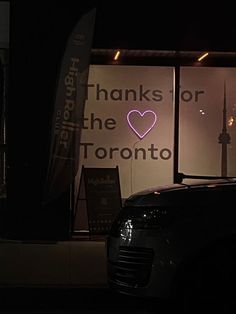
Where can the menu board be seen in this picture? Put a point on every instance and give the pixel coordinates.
(100, 191)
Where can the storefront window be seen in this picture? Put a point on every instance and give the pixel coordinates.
(208, 121)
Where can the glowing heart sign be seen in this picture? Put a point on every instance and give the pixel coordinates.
(141, 123)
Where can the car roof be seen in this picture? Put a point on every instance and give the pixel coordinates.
(188, 184)
(167, 195)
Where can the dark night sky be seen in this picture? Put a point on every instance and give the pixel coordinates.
(136, 25)
(165, 25)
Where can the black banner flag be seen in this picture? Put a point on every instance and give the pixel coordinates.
(69, 108)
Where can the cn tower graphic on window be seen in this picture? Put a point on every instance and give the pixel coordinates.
(224, 139)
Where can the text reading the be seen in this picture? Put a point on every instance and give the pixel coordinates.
(94, 122)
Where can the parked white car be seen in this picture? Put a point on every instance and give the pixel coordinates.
(175, 241)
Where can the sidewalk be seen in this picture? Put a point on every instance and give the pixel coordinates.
(77, 263)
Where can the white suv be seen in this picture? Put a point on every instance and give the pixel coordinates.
(176, 240)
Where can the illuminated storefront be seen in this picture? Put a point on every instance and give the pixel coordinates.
(129, 122)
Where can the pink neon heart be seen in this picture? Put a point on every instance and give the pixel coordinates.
(133, 118)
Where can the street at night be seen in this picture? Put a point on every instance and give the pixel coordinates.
(18, 300)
